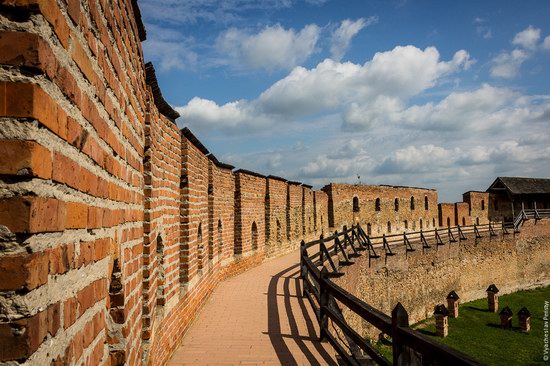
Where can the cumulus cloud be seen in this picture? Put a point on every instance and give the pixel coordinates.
(274, 47)
(341, 37)
(169, 49)
(546, 43)
(527, 38)
(361, 93)
(507, 64)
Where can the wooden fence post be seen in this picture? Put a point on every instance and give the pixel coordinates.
(402, 355)
(303, 269)
(323, 304)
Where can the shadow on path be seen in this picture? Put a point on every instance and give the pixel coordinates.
(277, 338)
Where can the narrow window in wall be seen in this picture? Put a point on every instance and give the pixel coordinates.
(463, 221)
(160, 260)
(448, 221)
(377, 204)
(406, 224)
(254, 236)
(477, 220)
(433, 222)
(421, 224)
(389, 227)
(426, 204)
(200, 246)
(412, 203)
(483, 204)
(369, 229)
(355, 204)
(396, 204)
(220, 237)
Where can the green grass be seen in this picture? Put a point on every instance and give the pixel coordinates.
(477, 332)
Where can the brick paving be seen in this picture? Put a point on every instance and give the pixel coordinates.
(257, 318)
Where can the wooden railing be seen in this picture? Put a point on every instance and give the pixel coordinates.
(320, 261)
(525, 215)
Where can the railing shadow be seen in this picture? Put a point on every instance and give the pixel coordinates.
(278, 339)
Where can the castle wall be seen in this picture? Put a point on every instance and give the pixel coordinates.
(276, 212)
(161, 249)
(478, 206)
(385, 209)
(420, 280)
(446, 214)
(462, 214)
(295, 211)
(308, 212)
(72, 106)
(221, 211)
(321, 212)
(250, 190)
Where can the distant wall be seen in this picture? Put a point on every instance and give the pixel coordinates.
(421, 281)
(384, 209)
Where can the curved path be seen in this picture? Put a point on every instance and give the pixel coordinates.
(257, 318)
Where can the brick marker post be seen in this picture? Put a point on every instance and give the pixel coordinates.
(492, 298)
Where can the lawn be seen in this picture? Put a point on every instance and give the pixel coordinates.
(478, 333)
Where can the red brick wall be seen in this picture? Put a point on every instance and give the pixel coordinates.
(321, 212)
(462, 216)
(308, 213)
(221, 211)
(446, 214)
(194, 209)
(161, 260)
(294, 216)
(75, 196)
(249, 213)
(401, 217)
(276, 211)
(478, 206)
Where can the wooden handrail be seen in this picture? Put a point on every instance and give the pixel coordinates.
(321, 292)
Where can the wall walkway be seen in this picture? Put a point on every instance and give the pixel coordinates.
(258, 317)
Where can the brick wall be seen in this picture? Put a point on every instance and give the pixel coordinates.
(294, 216)
(308, 212)
(276, 211)
(194, 209)
(420, 280)
(250, 190)
(221, 212)
(478, 206)
(384, 209)
(462, 215)
(321, 212)
(72, 106)
(446, 214)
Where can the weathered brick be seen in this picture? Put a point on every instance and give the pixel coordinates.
(23, 271)
(25, 158)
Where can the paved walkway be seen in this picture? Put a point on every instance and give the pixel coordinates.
(257, 319)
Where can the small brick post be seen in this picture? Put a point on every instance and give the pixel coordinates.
(441, 321)
(452, 304)
(492, 298)
(506, 318)
(524, 320)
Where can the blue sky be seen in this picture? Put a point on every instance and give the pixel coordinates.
(437, 94)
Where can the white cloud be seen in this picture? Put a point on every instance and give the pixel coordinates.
(272, 48)
(342, 36)
(362, 93)
(527, 38)
(416, 159)
(169, 49)
(507, 64)
(546, 43)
